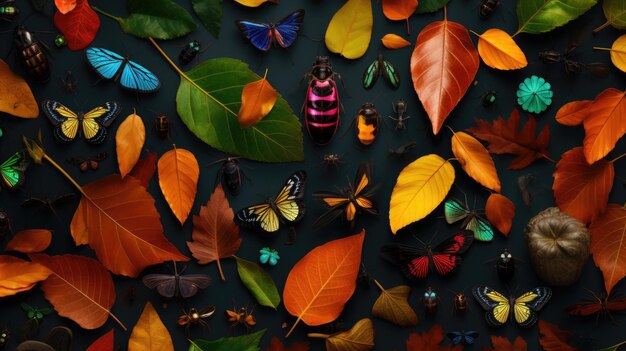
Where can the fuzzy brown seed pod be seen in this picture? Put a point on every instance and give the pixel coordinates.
(558, 245)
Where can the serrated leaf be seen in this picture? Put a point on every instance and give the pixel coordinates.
(249, 342)
(258, 282)
(210, 13)
(393, 306)
(540, 16)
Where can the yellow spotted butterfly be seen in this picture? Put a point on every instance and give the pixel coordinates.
(288, 207)
(500, 308)
(91, 125)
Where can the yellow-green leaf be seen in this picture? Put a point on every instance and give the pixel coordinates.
(350, 30)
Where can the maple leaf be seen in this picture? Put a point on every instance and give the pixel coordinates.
(501, 343)
(277, 345)
(504, 137)
(429, 340)
(554, 338)
(215, 234)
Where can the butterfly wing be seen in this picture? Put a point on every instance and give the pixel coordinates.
(13, 169)
(286, 30)
(258, 33)
(164, 283)
(335, 203)
(390, 75)
(454, 211)
(480, 227)
(470, 337)
(445, 256)
(64, 120)
(413, 261)
(370, 76)
(528, 303)
(96, 121)
(189, 284)
(105, 62)
(497, 306)
(585, 309)
(258, 217)
(455, 337)
(289, 201)
(135, 77)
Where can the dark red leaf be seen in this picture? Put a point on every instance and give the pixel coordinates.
(79, 26)
(144, 169)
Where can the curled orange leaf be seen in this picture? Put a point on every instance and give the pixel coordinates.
(500, 212)
(399, 10)
(498, 50)
(608, 233)
(31, 240)
(573, 113)
(605, 124)
(178, 178)
(17, 275)
(393, 41)
(257, 101)
(65, 6)
(475, 160)
(129, 140)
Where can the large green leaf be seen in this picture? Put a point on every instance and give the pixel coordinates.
(427, 6)
(208, 101)
(210, 13)
(258, 282)
(539, 16)
(615, 12)
(249, 342)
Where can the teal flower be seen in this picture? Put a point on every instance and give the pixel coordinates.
(534, 94)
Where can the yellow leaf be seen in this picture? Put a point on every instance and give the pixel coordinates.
(475, 160)
(129, 141)
(394, 41)
(149, 334)
(359, 338)
(178, 178)
(420, 188)
(618, 52)
(350, 30)
(255, 3)
(393, 306)
(16, 98)
(498, 50)
(257, 100)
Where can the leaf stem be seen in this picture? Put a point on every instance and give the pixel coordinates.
(378, 285)
(293, 327)
(548, 158)
(69, 177)
(118, 321)
(603, 49)
(606, 24)
(408, 26)
(318, 335)
(617, 158)
(476, 34)
(119, 19)
(167, 58)
(219, 268)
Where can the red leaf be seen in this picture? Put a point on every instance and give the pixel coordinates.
(29, 241)
(103, 343)
(553, 338)
(573, 113)
(504, 138)
(500, 212)
(277, 345)
(144, 169)
(580, 189)
(608, 233)
(79, 26)
(503, 344)
(443, 65)
(429, 340)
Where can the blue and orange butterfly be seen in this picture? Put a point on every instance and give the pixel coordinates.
(130, 74)
(263, 35)
(91, 125)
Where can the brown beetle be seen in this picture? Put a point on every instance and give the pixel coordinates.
(30, 54)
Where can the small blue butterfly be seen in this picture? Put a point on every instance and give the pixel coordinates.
(264, 35)
(269, 256)
(129, 74)
(463, 337)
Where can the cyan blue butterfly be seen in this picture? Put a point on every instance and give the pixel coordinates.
(263, 35)
(130, 74)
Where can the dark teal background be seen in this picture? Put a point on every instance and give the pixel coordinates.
(285, 69)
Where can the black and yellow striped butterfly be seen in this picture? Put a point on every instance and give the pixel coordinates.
(288, 207)
(91, 125)
(381, 67)
(500, 308)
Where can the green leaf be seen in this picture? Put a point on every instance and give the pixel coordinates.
(614, 347)
(540, 16)
(615, 12)
(210, 13)
(249, 342)
(427, 6)
(208, 100)
(160, 19)
(258, 282)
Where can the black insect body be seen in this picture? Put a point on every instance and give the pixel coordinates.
(402, 149)
(487, 7)
(505, 266)
(459, 304)
(400, 111)
(331, 160)
(162, 126)
(70, 84)
(430, 300)
(572, 66)
(5, 223)
(230, 174)
(489, 98)
(190, 52)
(30, 54)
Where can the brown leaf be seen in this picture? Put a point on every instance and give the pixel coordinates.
(475, 160)
(429, 340)
(359, 338)
(501, 343)
(129, 140)
(277, 345)
(178, 178)
(215, 234)
(149, 334)
(605, 124)
(31, 240)
(608, 233)
(500, 212)
(144, 169)
(552, 338)
(392, 305)
(573, 113)
(117, 218)
(582, 190)
(16, 98)
(504, 138)
(257, 101)
(79, 288)
(17, 275)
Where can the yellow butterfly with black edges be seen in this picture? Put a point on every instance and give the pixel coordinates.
(500, 308)
(288, 207)
(91, 125)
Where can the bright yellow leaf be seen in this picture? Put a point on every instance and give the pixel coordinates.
(498, 50)
(255, 3)
(257, 101)
(618, 52)
(394, 41)
(149, 334)
(475, 160)
(420, 188)
(129, 140)
(350, 30)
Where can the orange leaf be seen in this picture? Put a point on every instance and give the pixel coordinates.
(103, 343)
(277, 345)
(257, 100)
(17, 275)
(79, 288)
(501, 343)
(552, 338)
(65, 6)
(117, 218)
(17, 97)
(393, 41)
(31, 240)
(429, 340)
(605, 124)
(149, 334)
(500, 212)
(475, 160)
(400, 10)
(129, 140)
(320, 284)
(144, 169)
(504, 138)
(608, 233)
(178, 178)
(215, 234)
(498, 50)
(582, 190)
(443, 65)
(573, 113)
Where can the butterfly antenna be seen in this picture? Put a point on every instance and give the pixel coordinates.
(175, 268)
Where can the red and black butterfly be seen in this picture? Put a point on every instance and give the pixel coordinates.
(416, 261)
(599, 305)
